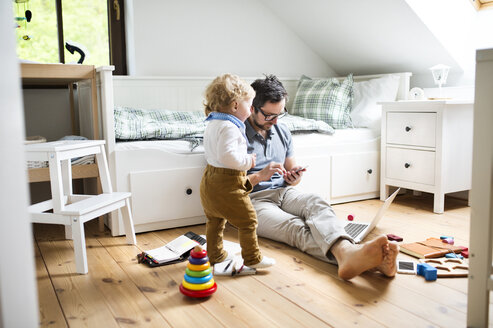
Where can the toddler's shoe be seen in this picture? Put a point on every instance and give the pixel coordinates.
(265, 263)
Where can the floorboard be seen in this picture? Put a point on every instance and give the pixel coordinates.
(299, 291)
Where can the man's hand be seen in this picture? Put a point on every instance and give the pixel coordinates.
(270, 169)
(266, 173)
(293, 176)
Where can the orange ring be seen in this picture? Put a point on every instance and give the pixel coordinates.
(198, 267)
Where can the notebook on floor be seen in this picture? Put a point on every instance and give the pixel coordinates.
(358, 231)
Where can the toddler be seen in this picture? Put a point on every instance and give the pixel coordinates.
(225, 187)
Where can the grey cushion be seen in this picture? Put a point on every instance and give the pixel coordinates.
(141, 124)
(299, 124)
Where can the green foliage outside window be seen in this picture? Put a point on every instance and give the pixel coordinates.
(84, 22)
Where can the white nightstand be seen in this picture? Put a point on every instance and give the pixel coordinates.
(427, 146)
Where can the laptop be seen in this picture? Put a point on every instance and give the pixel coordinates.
(358, 231)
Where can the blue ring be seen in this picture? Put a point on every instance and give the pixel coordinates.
(196, 280)
(194, 260)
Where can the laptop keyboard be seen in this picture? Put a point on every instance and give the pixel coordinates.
(354, 229)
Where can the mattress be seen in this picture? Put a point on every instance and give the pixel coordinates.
(344, 140)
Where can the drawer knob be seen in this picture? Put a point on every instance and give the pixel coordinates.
(407, 165)
(370, 171)
(408, 128)
(189, 191)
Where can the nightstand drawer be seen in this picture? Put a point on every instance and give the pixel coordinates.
(413, 129)
(411, 165)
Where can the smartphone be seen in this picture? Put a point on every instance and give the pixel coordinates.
(301, 169)
(408, 267)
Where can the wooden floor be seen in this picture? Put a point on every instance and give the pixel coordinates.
(299, 291)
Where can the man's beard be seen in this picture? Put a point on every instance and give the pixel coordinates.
(266, 126)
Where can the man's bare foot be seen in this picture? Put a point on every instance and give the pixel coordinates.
(356, 259)
(388, 266)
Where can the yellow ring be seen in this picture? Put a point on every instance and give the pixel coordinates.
(205, 285)
(198, 267)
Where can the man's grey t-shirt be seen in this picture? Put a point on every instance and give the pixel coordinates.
(275, 148)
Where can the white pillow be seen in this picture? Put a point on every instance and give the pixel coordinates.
(366, 112)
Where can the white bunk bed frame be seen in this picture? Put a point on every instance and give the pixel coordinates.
(176, 177)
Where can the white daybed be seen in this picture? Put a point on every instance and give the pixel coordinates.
(164, 176)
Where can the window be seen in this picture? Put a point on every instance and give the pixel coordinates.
(94, 26)
(37, 39)
(482, 4)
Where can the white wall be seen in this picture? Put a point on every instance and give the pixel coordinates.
(442, 18)
(208, 38)
(365, 37)
(18, 298)
(484, 29)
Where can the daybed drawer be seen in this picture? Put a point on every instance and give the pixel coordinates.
(416, 129)
(411, 165)
(316, 178)
(354, 174)
(165, 194)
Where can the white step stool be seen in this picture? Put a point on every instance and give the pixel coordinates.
(74, 210)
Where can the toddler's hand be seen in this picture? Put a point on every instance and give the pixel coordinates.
(254, 159)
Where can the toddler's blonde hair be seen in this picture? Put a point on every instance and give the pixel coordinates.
(223, 91)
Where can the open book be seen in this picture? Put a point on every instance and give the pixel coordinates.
(175, 251)
(430, 248)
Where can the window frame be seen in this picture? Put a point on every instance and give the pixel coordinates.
(482, 4)
(116, 35)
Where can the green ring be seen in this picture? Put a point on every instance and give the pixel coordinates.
(202, 273)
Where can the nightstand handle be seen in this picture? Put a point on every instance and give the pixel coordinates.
(408, 128)
(407, 165)
(370, 171)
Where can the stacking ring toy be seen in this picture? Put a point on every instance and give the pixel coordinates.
(199, 254)
(198, 293)
(203, 286)
(198, 273)
(198, 267)
(194, 260)
(197, 280)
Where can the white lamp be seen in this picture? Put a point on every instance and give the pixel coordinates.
(440, 73)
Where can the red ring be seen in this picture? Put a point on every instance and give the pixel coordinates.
(198, 293)
(198, 255)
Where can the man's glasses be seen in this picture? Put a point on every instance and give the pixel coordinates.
(272, 117)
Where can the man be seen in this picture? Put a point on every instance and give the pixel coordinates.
(298, 219)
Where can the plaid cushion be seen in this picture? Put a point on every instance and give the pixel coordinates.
(325, 100)
(139, 124)
(300, 124)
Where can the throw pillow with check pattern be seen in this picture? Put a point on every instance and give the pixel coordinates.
(325, 100)
(145, 124)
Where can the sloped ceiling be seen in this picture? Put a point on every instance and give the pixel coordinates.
(364, 36)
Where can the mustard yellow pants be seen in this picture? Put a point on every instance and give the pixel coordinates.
(224, 196)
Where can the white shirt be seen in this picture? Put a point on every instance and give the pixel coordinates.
(225, 146)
